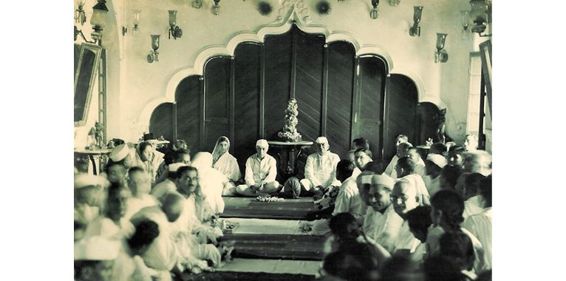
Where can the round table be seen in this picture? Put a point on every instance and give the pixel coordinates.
(291, 150)
(92, 154)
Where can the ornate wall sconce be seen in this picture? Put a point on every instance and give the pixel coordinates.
(480, 13)
(374, 13)
(98, 21)
(197, 4)
(415, 30)
(136, 24)
(174, 29)
(154, 54)
(394, 2)
(216, 7)
(441, 55)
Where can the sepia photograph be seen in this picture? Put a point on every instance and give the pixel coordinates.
(346, 140)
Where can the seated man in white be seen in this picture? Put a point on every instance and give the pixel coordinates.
(405, 197)
(434, 164)
(139, 185)
(261, 171)
(320, 169)
(169, 184)
(381, 223)
(406, 170)
(480, 225)
(362, 157)
(224, 162)
(402, 151)
(413, 153)
(89, 193)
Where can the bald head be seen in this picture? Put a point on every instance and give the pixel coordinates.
(404, 197)
(403, 149)
(172, 205)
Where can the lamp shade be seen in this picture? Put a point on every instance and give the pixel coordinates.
(99, 12)
(172, 17)
(440, 40)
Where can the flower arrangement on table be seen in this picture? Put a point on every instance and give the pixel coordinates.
(289, 132)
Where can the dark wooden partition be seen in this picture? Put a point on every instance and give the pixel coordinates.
(368, 106)
(161, 121)
(188, 98)
(340, 84)
(244, 97)
(247, 105)
(400, 112)
(429, 120)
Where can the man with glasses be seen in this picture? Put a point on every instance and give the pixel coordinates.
(320, 170)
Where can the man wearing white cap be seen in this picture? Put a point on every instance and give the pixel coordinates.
(381, 222)
(320, 169)
(406, 171)
(169, 184)
(434, 164)
(402, 151)
(88, 197)
(261, 171)
(94, 258)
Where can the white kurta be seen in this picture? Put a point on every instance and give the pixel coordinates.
(418, 182)
(228, 165)
(383, 228)
(480, 225)
(321, 170)
(162, 188)
(260, 171)
(390, 169)
(212, 185)
(474, 205)
(84, 213)
(135, 204)
(348, 199)
(103, 226)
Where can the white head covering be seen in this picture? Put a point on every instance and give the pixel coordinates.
(119, 152)
(262, 143)
(437, 159)
(366, 179)
(202, 160)
(84, 180)
(96, 248)
(321, 140)
(384, 180)
(216, 151)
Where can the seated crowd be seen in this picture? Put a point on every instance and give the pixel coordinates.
(152, 215)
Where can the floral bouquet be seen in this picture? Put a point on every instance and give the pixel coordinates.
(289, 132)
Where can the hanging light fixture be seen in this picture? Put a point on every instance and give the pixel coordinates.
(480, 13)
(374, 13)
(441, 55)
(153, 53)
(415, 30)
(465, 17)
(174, 29)
(98, 20)
(216, 7)
(135, 25)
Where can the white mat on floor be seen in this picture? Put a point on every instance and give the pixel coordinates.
(272, 266)
(266, 226)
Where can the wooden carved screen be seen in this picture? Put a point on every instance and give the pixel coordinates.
(244, 97)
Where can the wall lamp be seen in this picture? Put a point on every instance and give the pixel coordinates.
(374, 13)
(216, 7)
(415, 30)
(465, 17)
(441, 55)
(136, 25)
(480, 12)
(174, 29)
(98, 21)
(197, 4)
(154, 54)
(394, 2)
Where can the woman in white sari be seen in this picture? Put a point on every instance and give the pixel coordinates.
(224, 162)
(211, 181)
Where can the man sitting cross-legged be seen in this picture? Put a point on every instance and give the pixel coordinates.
(320, 170)
(261, 171)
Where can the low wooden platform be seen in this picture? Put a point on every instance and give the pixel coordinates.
(277, 246)
(242, 207)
